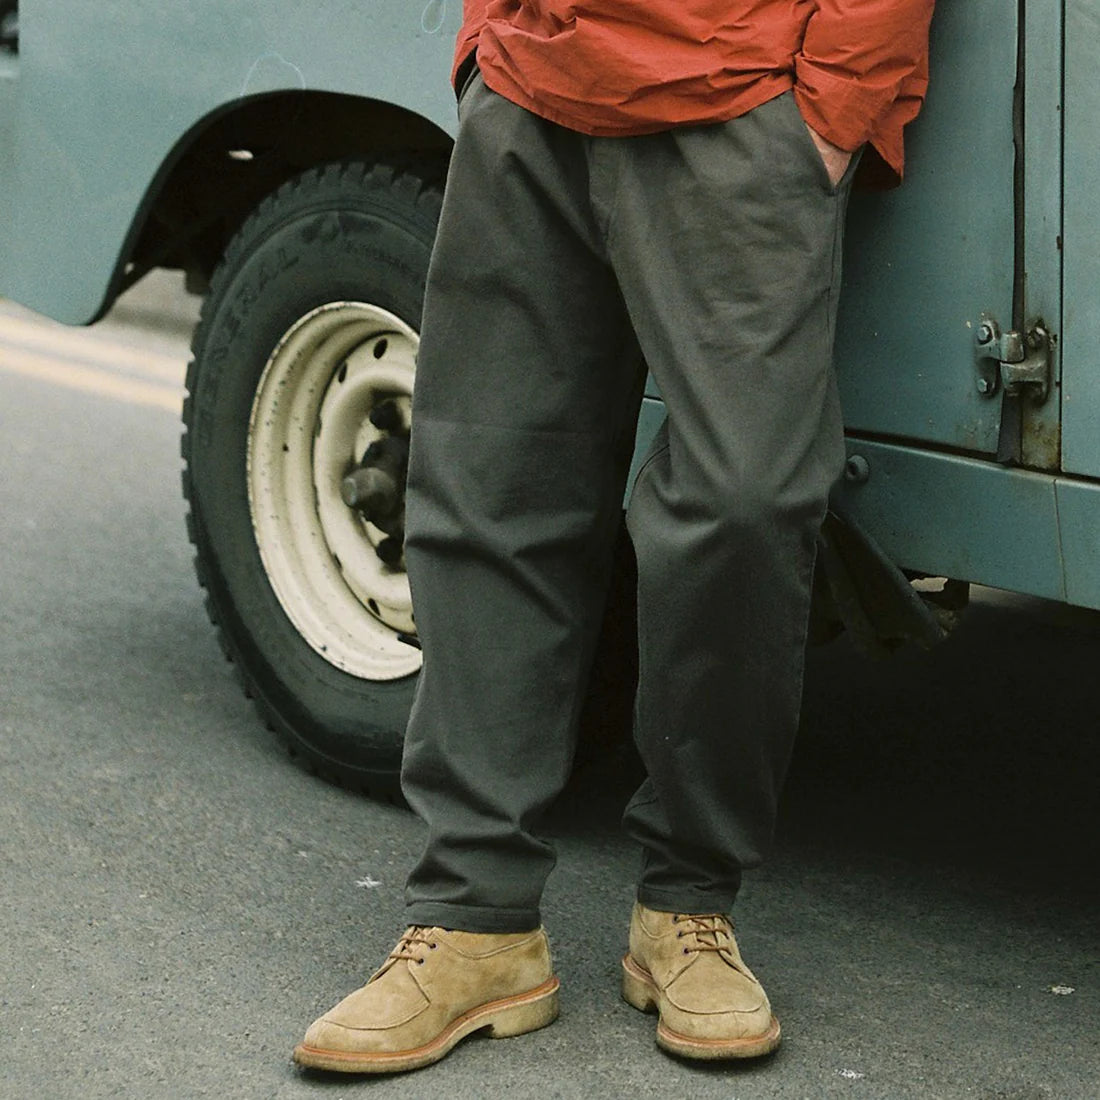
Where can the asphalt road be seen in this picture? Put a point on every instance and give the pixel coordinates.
(179, 900)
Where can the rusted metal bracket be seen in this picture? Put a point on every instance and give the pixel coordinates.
(1016, 362)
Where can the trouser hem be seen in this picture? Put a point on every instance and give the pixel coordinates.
(472, 918)
(686, 901)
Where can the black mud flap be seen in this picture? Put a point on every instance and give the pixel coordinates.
(859, 589)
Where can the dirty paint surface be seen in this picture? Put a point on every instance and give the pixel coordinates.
(1081, 317)
(923, 262)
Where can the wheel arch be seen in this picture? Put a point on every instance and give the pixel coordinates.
(229, 161)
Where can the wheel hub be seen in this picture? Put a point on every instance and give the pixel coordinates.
(327, 451)
(376, 487)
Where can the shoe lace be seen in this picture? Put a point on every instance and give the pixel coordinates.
(411, 944)
(704, 931)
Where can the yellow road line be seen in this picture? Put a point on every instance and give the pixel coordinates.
(76, 376)
(88, 345)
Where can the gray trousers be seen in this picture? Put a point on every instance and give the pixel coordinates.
(563, 267)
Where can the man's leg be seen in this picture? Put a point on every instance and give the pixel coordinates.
(726, 244)
(526, 399)
(527, 389)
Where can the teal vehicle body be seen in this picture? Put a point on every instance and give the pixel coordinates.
(134, 137)
(998, 218)
(107, 109)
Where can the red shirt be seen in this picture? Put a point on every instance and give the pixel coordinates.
(859, 68)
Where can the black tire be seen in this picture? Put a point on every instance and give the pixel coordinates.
(347, 233)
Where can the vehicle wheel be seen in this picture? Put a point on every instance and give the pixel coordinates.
(303, 359)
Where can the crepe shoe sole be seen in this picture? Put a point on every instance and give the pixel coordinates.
(500, 1019)
(641, 992)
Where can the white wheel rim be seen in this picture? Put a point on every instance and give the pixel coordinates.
(308, 428)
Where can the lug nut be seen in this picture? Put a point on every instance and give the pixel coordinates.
(371, 490)
(386, 416)
(390, 551)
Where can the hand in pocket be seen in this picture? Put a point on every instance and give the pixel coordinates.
(836, 159)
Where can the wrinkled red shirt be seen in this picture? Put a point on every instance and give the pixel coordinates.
(859, 68)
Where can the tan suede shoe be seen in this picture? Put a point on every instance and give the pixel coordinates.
(689, 970)
(436, 988)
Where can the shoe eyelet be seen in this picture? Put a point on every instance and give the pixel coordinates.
(686, 952)
(679, 935)
(419, 962)
(432, 946)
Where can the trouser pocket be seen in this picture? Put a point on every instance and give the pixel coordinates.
(809, 151)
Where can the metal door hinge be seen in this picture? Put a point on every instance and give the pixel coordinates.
(1018, 362)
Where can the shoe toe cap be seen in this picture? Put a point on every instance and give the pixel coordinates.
(719, 1026)
(324, 1034)
(711, 987)
(713, 1003)
(375, 1017)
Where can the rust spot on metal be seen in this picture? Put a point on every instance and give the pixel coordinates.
(1042, 443)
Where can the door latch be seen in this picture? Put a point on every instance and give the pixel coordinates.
(1017, 362)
